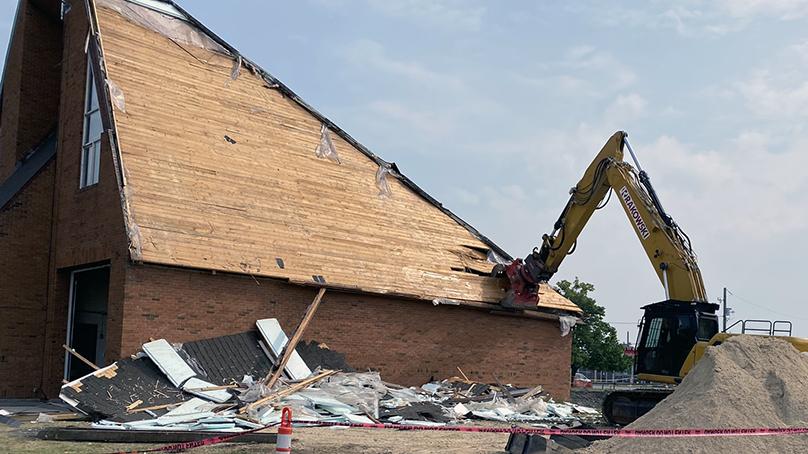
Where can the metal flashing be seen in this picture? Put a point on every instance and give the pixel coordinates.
(28, 168)
(160, 7)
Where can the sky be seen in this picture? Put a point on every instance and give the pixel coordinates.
(496, 108)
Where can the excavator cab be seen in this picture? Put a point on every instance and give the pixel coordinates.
(668, 331)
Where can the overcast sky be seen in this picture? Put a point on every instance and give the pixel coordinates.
(496, 108)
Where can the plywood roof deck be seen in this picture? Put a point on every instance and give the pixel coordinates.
(200, 201)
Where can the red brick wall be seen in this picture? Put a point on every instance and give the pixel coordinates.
(89, 222)
(90, 226)
(30, 110)
(31, 93)
(25, 231)
(408, 341)
(49, 78)
(12, 75)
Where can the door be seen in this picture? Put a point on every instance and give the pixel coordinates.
(87, 319)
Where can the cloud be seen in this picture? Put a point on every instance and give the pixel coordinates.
(466, 197)
(775, 94)
(423, 121)
(626, 107)
(752, 185)
(778, 87)
(691, 18)
(779, 9)
(799, 50)
(600, 63)
(582, 71)
(431, 104)
(456, 14)
(368, 53)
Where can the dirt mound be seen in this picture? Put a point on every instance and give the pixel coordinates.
(748, 381)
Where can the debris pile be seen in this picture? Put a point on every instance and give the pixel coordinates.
(219, 385)
(746, 382)
(317, 353)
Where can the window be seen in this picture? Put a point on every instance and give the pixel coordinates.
(91, 146)
(708, 327)
(653, 333)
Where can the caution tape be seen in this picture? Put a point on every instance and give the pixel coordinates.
(179, 447)
(622, 433)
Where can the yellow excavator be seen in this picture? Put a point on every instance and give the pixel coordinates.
(674, 333)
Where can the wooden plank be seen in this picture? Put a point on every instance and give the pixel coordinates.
(134, 405)
(79, 356)
(289, 349)
(153, 407)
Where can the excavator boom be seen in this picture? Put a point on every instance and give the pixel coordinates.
(666, 246)
(671, 329)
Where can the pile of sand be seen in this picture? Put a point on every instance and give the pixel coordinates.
(748, 381)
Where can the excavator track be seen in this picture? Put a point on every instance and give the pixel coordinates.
(624, 407)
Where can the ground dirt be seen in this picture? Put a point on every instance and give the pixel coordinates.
(746, 382)
(305, 441)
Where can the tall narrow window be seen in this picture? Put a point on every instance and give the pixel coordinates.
(91, 147)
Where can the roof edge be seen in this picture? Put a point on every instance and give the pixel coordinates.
(95, 49)
(542, 313)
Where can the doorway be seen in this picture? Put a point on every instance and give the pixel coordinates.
(87, 319)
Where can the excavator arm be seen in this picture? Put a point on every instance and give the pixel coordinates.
(666, 246)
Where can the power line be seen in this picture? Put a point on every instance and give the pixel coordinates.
(763, 307)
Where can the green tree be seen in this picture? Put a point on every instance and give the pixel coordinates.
(594, 344)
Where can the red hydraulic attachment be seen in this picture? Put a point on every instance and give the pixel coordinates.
(523, 291)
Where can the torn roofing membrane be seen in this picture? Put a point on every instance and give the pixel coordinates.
(165, 19)
(172, 9)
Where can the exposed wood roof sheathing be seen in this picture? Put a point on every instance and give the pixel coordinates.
(222, 174)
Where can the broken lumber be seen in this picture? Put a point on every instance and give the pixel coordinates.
(79, 356)
(212, 388)
(154, 407)
(272, 378)
(464, 375)
(134, 405)
(287, 391)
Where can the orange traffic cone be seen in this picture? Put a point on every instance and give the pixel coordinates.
(284, 443)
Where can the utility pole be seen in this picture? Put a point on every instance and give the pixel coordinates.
(631, 367)
(724, 301)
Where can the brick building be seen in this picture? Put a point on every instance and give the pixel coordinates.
(156, 183)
